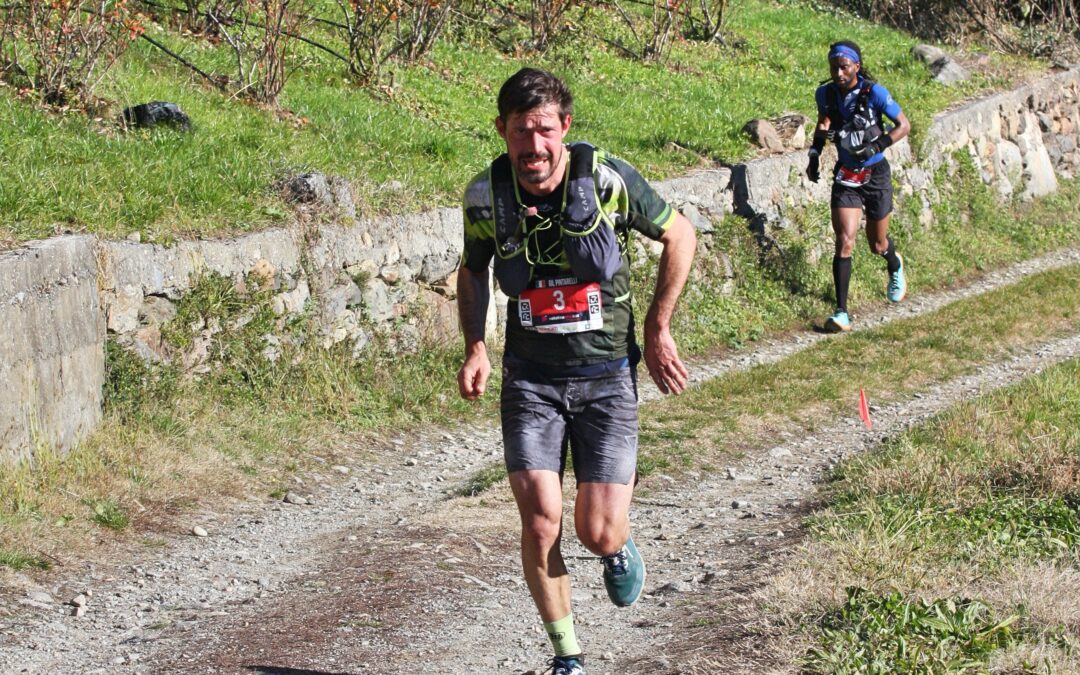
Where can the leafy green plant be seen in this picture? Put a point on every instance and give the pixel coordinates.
(889, 633)
(107, 513)
(131, 383)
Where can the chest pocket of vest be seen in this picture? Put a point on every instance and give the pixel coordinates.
(862, 128)
(589, 242)
(588, 237)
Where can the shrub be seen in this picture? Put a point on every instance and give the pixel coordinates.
(380, 30)
(1036, 27)
(61, 49)
(260, 36)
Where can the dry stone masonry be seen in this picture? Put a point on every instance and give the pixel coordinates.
(59, 298)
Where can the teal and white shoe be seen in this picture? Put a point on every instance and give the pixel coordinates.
(566, 665)
(624, 574)
(838, 322)
(897, 283)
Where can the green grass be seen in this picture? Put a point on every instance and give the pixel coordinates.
(993, 480)
(889, 633)
(419, 146)
(969, 503)
(18, 560)
(482, 480)
(748, 408)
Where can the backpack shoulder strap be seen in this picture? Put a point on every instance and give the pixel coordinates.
(579, 199)
(833, 105)
(504, 208)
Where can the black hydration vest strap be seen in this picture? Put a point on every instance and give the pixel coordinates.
(834, 104)
(508, 235)
(579, 199)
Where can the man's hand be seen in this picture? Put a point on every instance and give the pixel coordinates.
(662, 360)
(813, 171)
(474, 373)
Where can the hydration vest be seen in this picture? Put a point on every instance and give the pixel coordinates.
(862, 127)
(588, 236)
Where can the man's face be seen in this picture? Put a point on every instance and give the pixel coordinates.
(534, 141)
(844, 72)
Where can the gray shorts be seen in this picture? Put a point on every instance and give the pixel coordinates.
(595, 417)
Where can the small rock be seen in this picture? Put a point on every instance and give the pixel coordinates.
(673, 587)
(78, 611)
(40, 596)
(199, 531)
(740, 504)
(293, 498)
(411, 461)
(78, 601)
(343, 470)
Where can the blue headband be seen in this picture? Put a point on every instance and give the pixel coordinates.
(844, 50)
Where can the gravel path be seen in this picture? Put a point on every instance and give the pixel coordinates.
(382, 573)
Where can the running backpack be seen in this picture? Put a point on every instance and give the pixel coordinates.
(588, 237)
(863, 127)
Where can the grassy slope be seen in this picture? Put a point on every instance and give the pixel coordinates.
(981, 503)
(419, 147)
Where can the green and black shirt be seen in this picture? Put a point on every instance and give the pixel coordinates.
(629, 202)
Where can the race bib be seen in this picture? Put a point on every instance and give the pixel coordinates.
(561, 305)
(851, 178)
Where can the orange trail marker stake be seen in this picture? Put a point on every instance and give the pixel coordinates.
(864, 410)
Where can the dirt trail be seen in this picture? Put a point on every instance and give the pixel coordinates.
(384, 574)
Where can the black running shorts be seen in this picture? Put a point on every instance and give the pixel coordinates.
(875, 196)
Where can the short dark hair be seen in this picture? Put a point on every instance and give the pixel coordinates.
(531, 88)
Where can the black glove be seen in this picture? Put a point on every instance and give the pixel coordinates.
(812, 168)
(874, 147)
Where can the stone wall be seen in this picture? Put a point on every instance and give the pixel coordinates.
(400, 270)
(52, 340)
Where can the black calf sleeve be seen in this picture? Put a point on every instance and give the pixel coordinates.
(841, 274)
(890, 256)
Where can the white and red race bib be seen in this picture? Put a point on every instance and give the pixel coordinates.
(561, 305)
(852, 177)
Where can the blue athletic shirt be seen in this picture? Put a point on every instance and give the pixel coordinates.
(880, 103)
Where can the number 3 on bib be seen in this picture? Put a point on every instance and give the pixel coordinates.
(561, 306)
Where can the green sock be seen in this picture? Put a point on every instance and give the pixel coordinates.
(561, 634)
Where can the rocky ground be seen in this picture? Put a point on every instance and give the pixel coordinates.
(381, 571)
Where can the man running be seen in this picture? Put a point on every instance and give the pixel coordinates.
(850, 109)
(556, 219)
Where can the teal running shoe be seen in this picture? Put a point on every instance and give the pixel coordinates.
(624, 574)
(838, 323)
(897, 283)
(567, 665)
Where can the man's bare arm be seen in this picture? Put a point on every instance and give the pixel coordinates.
(473, 297)
(661, 353)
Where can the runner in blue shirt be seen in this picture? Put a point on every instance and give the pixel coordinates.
(850, 109)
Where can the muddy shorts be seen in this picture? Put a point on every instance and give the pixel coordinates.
(595, 418)
(875, 196)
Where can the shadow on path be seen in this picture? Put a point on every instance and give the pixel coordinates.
(276, 670)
